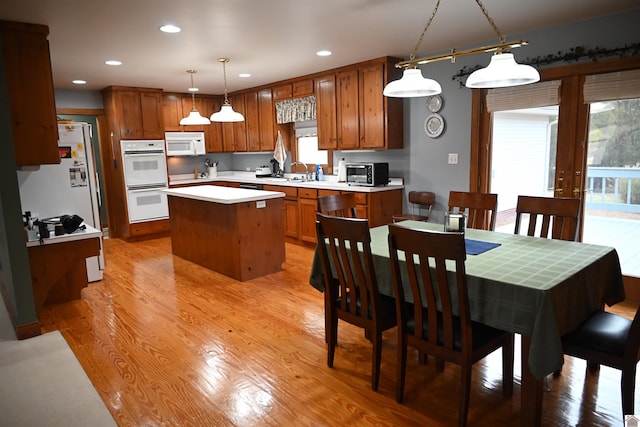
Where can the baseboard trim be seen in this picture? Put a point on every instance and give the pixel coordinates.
(28, 330)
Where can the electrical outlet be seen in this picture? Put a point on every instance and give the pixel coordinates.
(453, 158)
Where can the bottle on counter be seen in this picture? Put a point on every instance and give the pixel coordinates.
(319, 173)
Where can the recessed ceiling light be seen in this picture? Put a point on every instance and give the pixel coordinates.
(244, 75)
(193, 89)
(112, 62)
(79, 82)
(170, 29)
(323, 53)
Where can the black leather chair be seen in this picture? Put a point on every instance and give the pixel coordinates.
(611, 340)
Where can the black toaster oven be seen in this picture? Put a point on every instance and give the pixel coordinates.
(367, 174)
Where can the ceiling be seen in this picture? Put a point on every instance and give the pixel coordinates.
(270, 39)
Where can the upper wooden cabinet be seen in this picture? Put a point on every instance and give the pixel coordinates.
(134, 113)
(234, 135)
(302, 88)
(326, 112)
(29, 83)
(284, 91)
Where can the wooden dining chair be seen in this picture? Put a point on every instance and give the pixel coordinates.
(352, 293)
(418, 199)
(480, 208)
(559, 216)
(432, 325)
(338, 205)
(611, 340)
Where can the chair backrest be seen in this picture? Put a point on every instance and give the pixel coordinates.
(422, 198)
(559, 216)
(425, 255)
(338, 205)
(347, 266)
(480, 208)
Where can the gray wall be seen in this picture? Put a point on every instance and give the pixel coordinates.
(422, 163)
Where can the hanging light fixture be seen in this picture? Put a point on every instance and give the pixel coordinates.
(413, 84)
(194, 117)
(226, 113)
(503, 70)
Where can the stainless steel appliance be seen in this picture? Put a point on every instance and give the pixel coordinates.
(145, 175)
(185, 143)
(69, 188)
(367, 174)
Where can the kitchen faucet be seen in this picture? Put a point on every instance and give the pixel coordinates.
(307, 175)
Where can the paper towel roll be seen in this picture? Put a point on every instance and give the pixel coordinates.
(342, 171)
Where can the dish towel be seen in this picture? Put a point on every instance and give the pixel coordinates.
(476, 247)
(279, 153)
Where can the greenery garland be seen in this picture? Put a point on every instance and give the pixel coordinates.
(573, 55)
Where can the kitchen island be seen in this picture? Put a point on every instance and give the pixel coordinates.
(234, 231)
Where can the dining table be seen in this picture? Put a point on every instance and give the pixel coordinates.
(536, 287)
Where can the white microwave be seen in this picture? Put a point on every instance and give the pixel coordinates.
(185, 143)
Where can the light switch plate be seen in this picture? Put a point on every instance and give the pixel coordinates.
(453, 158)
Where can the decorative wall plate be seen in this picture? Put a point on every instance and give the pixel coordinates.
(434, 125)
(434, 103)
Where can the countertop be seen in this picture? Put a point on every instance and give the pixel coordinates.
(330, 182)
(223, 195)
(87, 233)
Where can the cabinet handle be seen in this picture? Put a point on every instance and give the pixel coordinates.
(113, 154)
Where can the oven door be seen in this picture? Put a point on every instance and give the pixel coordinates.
(143, 169)
(147, 204)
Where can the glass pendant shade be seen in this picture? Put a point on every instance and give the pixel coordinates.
(412, 85)
(502, 71)
(226, 114)
(194, 118)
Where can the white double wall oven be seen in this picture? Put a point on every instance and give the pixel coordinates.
(144, 163)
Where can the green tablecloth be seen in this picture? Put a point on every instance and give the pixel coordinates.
(541, 288)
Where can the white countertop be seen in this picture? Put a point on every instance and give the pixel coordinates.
(87, 233)
(330, 182)
(223, 195)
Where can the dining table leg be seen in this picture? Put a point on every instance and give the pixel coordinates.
(531, 392)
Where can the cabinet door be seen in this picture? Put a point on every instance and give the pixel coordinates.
(348, 110)
(187, 106)
(29, 83)
(239, 128)
(284, 91)
(307, 212)
(212, 132)
(267, 120)
(372, 107)
(129, 114)
(326, 112)
(291, 218)
(303, 88)
(151, 108)
(252, 119)
(172, 112)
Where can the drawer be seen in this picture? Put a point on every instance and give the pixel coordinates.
(361, 198)
(291, 192)
(308, 193)
(322, 193)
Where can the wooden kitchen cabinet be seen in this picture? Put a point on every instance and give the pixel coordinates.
(29, 83)
(303, 88)
(307, 208)
(234, 135)
(326, 112)
(267, 120)
(290, 209)
(172, 112)
(136, 113)
(348, 108)
(284, 91)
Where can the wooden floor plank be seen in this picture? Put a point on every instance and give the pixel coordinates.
(167, 342)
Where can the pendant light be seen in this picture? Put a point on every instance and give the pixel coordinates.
(194, 117)
(226, 113)
(413, 84)
(503, 70)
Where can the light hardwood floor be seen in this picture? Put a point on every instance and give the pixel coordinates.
(168, 343)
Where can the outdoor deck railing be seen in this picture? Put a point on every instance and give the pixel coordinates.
(614, 189)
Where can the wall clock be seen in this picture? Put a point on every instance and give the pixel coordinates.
(434, 125)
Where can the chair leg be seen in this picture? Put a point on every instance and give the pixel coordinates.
(507, 368)
(465, 390)
(332, 337)
(376, 356)
(401, 367)
(627, 385)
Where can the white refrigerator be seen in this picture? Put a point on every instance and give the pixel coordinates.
(68, 188)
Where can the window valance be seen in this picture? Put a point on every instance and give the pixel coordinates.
(528, 96)
(296, 110)
(612, 86)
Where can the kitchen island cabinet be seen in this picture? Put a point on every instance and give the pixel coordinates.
(234, 231)
(58, 265)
